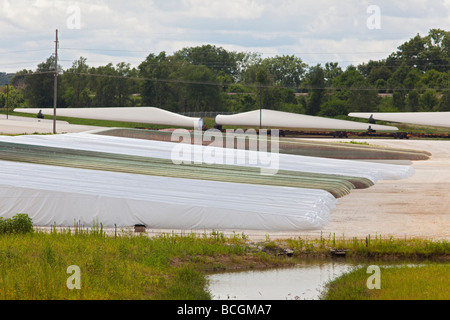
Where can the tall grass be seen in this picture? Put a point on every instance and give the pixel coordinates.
(423, 282)
(34, 265)
(371, 246)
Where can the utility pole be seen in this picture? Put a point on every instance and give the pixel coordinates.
(7, 98)
(260, 108)
(55, 89)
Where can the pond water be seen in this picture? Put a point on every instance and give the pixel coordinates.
(305, 281)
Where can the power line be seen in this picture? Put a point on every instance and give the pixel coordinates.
(212, 83)
(23, 51)
(225, 84)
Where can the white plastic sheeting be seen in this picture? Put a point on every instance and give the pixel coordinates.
(439, 119)
(149, 115)
(64, 196)
(164, 150)
(279, 119)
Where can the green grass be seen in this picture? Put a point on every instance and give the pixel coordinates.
(356, 142)
(423, 282)
(34, 265)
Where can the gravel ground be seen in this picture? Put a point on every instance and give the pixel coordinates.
(25, 125)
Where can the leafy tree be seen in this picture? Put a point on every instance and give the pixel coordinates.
(317, 89)
(387, 105)
(366, 68)
(240, 102)
(244, 61)
(396, 81)
(215, 58)
(104, 86)
(261, 78)
(156, 93)
(444, 104)
(210, 78)
(429, 101)
(381, 85)
(39, 85)
(197, 90)
(363, 98)
(413, 103)
(286, 71)
(331, 71)
(437, 51)
(14, 97)
(398, 100)
(413, 79)
(380, 73)
(125, 84)
(424, 53)
(18, 80)
(351, 77)
(74, 84)
(111, 85)
(379, 77)
(434, 79)
(275, 97)
(334, 107)
(411, 52)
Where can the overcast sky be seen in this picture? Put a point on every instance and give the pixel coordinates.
(317, 31)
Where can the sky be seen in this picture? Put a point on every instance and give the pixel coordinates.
(113, 31)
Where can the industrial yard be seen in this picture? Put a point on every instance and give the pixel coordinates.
(413, 206)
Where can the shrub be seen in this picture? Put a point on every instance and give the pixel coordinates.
(20, 223)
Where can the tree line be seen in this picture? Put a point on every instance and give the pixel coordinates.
(208, 78)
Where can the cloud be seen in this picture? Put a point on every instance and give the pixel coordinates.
(231, 9)
(114, 31)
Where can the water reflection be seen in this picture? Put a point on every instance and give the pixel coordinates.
(303, 282)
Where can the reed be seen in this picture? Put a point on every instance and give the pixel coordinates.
(371, 246)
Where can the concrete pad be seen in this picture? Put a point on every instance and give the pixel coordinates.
(25, 125)
(416, 207)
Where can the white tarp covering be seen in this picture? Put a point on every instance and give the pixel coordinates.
(149, 115)
(64, 196)
(279, 119)
(164, 150)
(438, 119)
